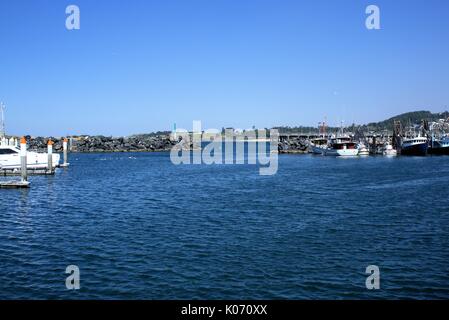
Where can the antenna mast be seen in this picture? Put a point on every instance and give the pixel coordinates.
(2, 120)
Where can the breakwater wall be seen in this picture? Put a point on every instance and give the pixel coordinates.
(293, 144)
(141, 143)
(105, 144)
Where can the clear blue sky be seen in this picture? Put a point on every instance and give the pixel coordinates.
(139, 66)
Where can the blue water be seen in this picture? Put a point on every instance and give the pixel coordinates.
(139, 227)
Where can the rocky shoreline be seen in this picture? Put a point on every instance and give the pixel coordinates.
(293, 145)
(138, 143)
(98, 144)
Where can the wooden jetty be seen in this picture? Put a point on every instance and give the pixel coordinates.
(14, 184)
(30, 172)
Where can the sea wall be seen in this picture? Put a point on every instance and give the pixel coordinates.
(105, 144)
(293, 145)
(141, 143)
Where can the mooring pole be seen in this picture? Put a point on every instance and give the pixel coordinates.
(23, 159)
(50, 155)
(64, 148)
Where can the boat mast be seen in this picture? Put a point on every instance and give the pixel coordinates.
(322, 129)
(2, 120)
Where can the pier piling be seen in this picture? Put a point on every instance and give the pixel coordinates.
(23, 159)
(65, 151)
(50, 155)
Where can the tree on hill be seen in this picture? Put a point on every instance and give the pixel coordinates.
(414, 118)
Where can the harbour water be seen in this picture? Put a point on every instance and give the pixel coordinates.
(139, 227)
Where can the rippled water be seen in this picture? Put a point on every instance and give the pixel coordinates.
(139, 227)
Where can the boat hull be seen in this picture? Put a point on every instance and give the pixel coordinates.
(415, 150)
(341, 152)
(389, 153)
(34, 161)
(363, 152)
(439, 151)
(317, 150)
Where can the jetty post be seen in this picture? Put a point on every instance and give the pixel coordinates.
(50, 155)
(23, 159)
(64, 149)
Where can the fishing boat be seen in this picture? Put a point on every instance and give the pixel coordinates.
(414, 146)
(318, 145)
(342, 147)
(389, 151)
(439, 146)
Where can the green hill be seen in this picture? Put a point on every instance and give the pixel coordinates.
(414, 117)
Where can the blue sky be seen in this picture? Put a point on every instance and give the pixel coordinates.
(139, 66)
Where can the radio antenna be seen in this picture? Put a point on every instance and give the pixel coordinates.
(2, 120)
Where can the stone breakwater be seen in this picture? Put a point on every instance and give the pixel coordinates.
(140, 143)
(293, 145)
(105, 144)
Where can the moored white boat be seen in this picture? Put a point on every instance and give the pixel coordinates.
(10, 152)
(389, 151)
(10, 158)
(342, 147)
(363, 150)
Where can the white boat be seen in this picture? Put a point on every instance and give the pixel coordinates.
(363, 150)
(10, 153)
(318, 145)
(389, 151)
(10, 158)
(342, 147)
